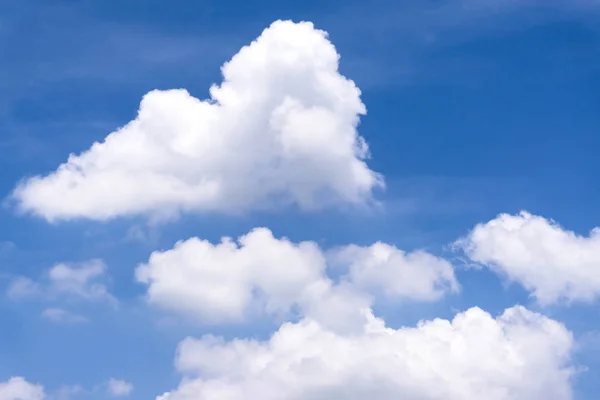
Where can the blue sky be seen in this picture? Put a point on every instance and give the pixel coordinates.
(474, 109)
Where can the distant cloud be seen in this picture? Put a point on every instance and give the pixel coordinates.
(280, 130)
(147, 235)
(6, 247)
(83, 281)
(118, 388)
(62, 316)
(553, 263)
(23, 288)
(67, 392)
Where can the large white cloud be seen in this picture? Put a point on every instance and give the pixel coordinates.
(553, 263)
(18, 388)
(224, 282)
(279, 130)
(520, 355)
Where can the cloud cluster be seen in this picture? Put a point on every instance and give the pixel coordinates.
(338, 348)
(261, 273)
(279, 130)
(86, 281)
(519, 355)
(83, 281)
(553, 263)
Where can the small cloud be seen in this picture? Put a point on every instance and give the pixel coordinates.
(62, 316)
(83, 281)
(556, 265)
(66, 392)
(145, 235)
(118, 387)
(6, 247)
(23, 288)
(136, 234)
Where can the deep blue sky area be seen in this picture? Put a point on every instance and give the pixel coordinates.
(474, 108)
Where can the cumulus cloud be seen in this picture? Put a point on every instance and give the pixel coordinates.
(18, 388)
(553, 263)
(223, 282)
(82, 281)
(281, 129)
(382, 267)
(519, 355)
(118, 387)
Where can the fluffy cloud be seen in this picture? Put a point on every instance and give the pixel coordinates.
(520, 355)
(223, 282)
(82, 281)
(553, 263)
(118, 387)
(381, 267)
(19, 389)
(279, 130)
(218, 282)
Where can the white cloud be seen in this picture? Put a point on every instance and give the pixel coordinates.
(218, 282)
(520, 355)
(224, 282)
(279, 130)
(382, 267)
(80, 280)
(62, 316)
(553, 263)
(118, 387)
(83, 281)
(18, 388)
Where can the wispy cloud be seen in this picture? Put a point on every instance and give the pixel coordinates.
(419, 30)
(67, 392)
(43, 60)
(59, 315)
(84, 281)
(100, 51)
(118, 388)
